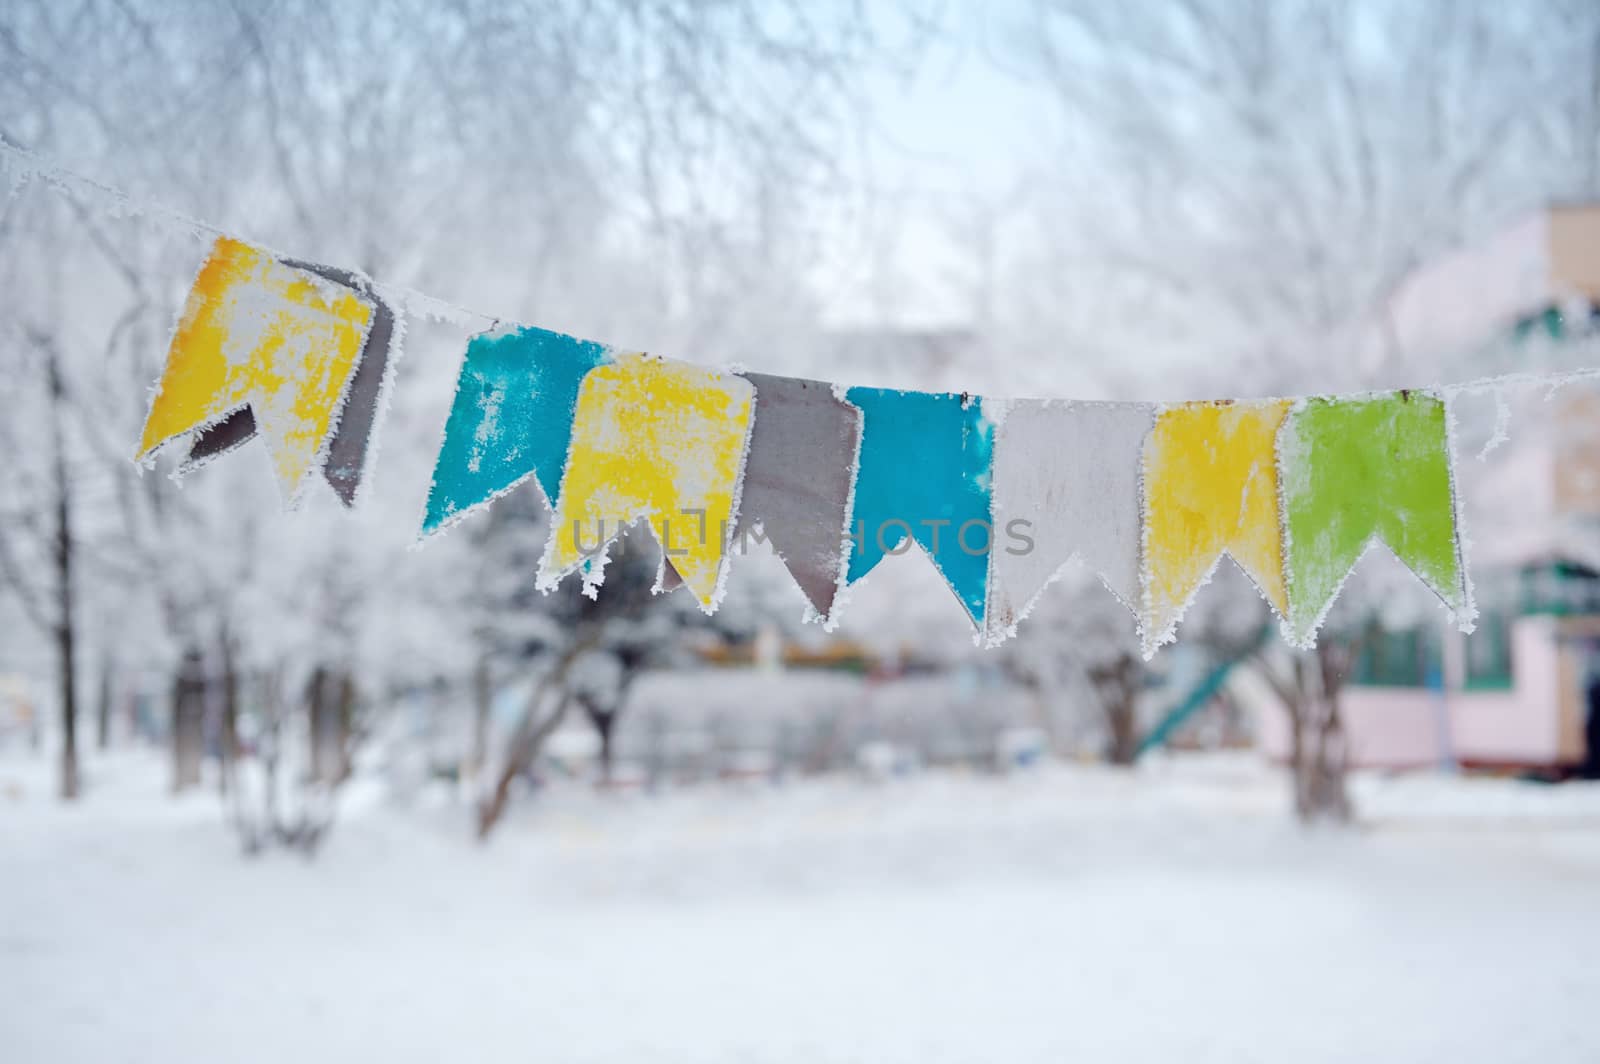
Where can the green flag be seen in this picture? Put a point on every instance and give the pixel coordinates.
(1356, 470)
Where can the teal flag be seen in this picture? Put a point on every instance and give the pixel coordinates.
(1358, 470)
(924, 473)
(512, 419)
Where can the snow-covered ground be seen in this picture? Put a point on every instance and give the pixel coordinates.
(1067, 914)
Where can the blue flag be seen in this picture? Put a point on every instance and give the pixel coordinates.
(924, 474)
(512, 419)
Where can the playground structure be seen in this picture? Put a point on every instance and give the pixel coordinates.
(1214, 681)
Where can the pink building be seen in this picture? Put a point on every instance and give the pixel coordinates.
(1532, 715)
(1516, 691)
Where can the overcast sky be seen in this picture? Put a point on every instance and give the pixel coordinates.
(962, 131)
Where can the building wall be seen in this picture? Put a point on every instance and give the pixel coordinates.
(1576, 458)
(1574, 235)
(1461, 300)
(1577, 635)
(1407, 727)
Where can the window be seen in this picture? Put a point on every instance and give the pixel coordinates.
(1546, 322)
(1557, 323)
(1406, 657)
(1488, 653)
(1559, 588)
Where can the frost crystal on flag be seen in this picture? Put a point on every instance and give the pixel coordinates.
(1356, 471)
(1069, 472)
(258, 333)
(658, 440)
(924, 474)
(1210, 486)
(516, 396)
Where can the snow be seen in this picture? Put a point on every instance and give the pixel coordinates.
(1065, 913)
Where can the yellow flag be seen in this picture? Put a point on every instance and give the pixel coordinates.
(260, 333)
(1210, 485)
(659, 440)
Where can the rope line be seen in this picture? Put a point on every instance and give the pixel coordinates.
(69, 182)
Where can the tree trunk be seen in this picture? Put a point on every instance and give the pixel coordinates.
(1117, 685)
(606, 725)
(531, 732)
(66, 658)
(188, 721)
(525, 746)
(273, 699)
(1122, 746)
(1318, 752)
(330, 695)
(482, 706)
(66, 633)
(345, 708)
(229, 737)
(604, 720)
(1319, 765)
(319, 724)
(102, 730)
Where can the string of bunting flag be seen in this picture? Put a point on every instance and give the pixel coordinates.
(1000, 494)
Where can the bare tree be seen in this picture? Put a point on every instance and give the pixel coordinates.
(1245, 186)
(188, 721)
(1280, 168)
(1078, 648)
(1308, 683)
(621, 170)
(49, 594)
(627, 625)
(65, 628)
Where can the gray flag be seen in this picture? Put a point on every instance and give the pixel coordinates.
(797, 480)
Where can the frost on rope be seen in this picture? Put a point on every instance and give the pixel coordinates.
(1502, 425)
(20, 168)
(17, 177)
(424, 307)
(113, 202)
